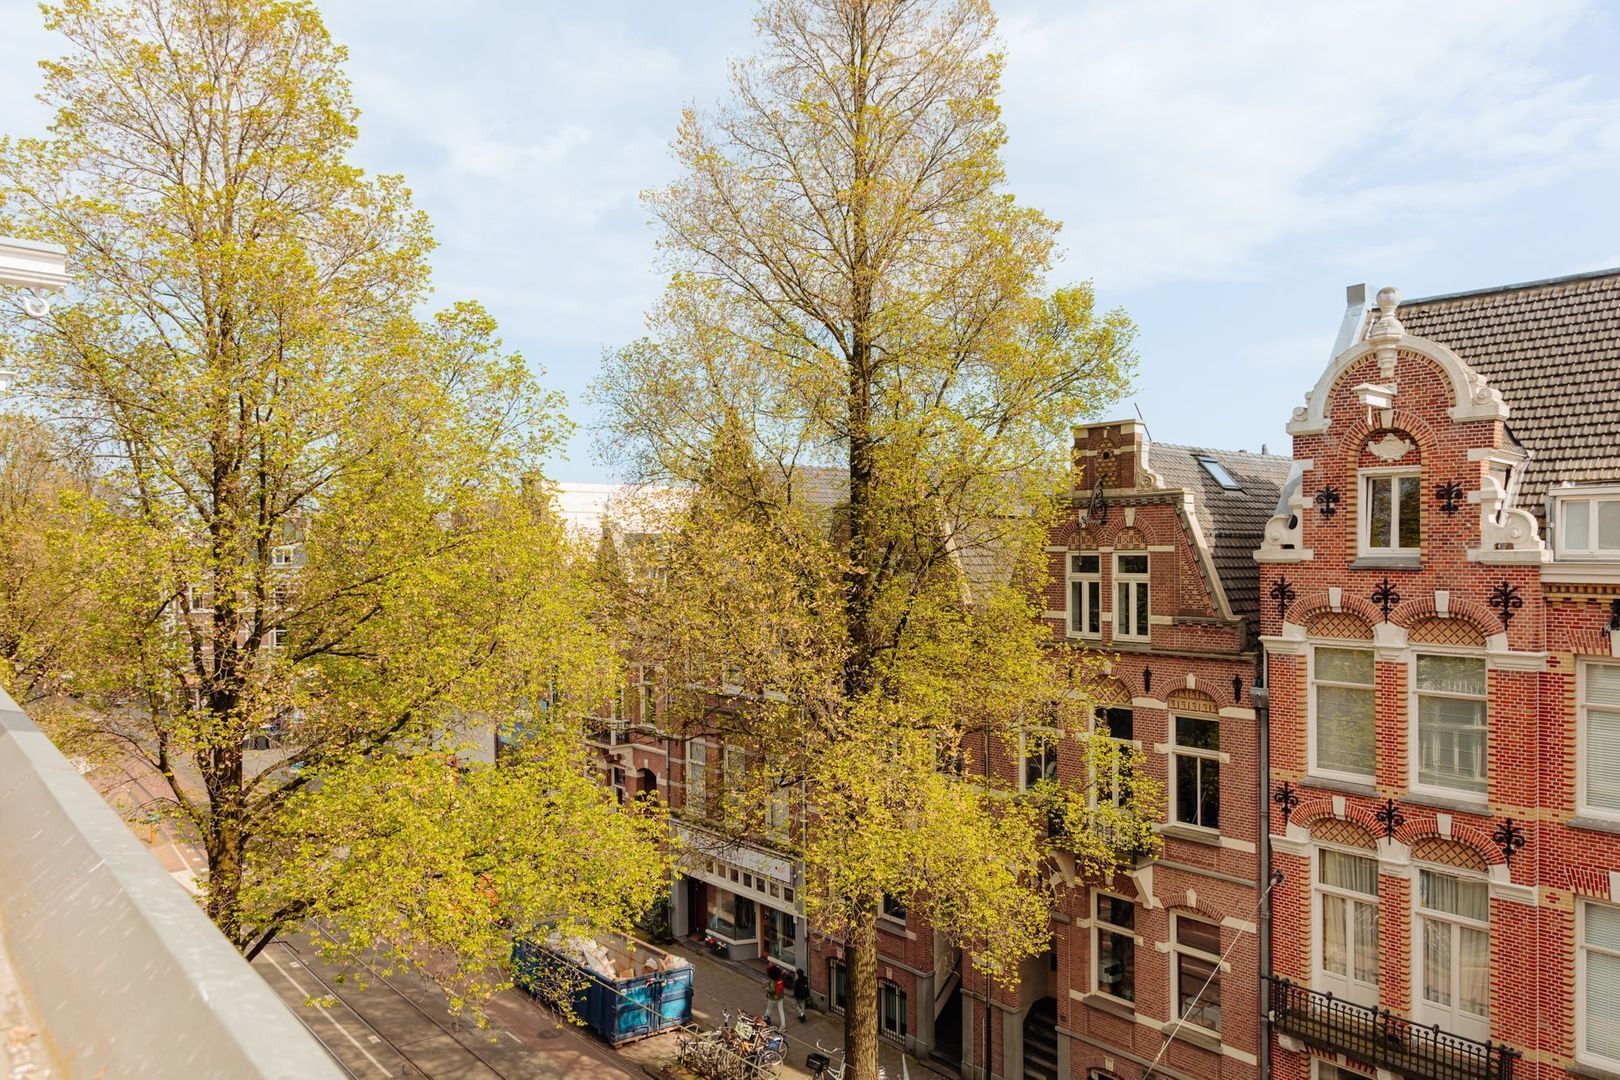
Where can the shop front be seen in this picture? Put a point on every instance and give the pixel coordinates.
(743, 899)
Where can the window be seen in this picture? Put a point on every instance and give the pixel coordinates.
(1113, 946)
(1589, 526)
(1218, 473)
(282, 555)
(1600, 738)
(1196, 974)
(1040, 757)
(1347, 920)
(1117, 725)
(278, 637)
(697, 769)
(1198, 772)
(616, 777)
(892, 1010)
(1342, 713)
(732, 917)
(1454, 936)
(1597, 984)
(1391, 513)
(198, 601)
(1451, 728)
(1131, 596)
(894, 909)
(837, 985)
(1085, 595)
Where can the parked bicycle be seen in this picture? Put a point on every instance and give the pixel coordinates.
(822, 1067)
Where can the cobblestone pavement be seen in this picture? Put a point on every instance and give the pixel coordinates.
(718, 985)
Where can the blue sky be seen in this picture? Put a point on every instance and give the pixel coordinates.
(1222, 170)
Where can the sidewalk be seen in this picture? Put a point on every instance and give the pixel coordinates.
(718, 985)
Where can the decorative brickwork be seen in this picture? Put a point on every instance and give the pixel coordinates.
(1338, 624)
(1345, 833)
(1433, 849)
(1192, 701)
(1445, 632)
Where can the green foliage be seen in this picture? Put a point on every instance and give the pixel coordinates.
(310, 515)
(851, 286)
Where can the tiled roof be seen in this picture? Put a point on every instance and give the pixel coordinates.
(1233, 522)
(1553, 349)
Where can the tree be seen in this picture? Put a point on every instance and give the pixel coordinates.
(316, 520)
(851, 287)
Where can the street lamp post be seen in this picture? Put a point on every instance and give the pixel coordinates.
(38, 268)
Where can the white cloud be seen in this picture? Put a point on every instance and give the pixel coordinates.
(1180, 139)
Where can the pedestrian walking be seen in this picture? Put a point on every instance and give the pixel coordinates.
(776, 994)
(801, 992)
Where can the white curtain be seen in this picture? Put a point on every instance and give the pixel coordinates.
(1344, 713)
(1602, 939)
(1437, 962)
(1603, 736)
(1335, 946)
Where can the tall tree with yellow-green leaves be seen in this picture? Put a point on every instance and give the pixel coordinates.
(313, 519)
(851, 286)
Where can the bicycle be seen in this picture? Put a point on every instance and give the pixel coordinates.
(821, 1064)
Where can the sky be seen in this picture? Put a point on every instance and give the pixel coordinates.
(1222, 169)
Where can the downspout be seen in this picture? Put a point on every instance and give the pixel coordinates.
(1260, 694)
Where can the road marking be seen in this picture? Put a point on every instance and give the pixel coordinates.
(329, 1016)
(513, 1037)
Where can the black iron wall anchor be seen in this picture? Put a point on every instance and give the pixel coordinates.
(1509, 837)
(1237, 689)
(1327, 501)
(1288, 799)
(1450, 496)
(1283, 593)
(1386, 597)
(1147, 681)
(1390, 817)
(1506, 600)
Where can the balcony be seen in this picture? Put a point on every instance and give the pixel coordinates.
(1382, 1039)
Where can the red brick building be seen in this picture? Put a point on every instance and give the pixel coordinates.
(1160, 967)
(1439, 594)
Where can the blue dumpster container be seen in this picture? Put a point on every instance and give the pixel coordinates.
(619, 1009)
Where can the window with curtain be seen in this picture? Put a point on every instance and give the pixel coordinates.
(1196, 978)
(1599, 989)
(1600, 717)
(1455, 940)
(1343, 714)
(1451, 723)
(1198, 772)
(1131, 596)
(1085, 594)
(1113, 948)
(1347, 900)
(1589, 526)
(1392, 513)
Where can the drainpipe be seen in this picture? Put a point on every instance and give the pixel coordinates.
(1260, 694)
(989, 1028)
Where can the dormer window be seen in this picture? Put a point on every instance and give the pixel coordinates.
(1588, 523)
(1391, 511)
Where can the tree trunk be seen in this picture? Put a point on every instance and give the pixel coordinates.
(861, 997)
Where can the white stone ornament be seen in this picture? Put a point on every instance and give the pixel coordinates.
(1391, 447)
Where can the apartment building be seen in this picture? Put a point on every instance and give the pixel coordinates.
(1440, 599)
(1160, 967)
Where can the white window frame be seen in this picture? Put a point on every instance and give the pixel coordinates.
(1312, 767)
(1078, 596)
(278, 637)
(283, 556)
(1098, 928)
(1177, 950)
(1582, 1054)
(1413, 759)
(198, 601)
(1051, 738)
(1562, 497)
(1178, 751)
(1364, 480)
(1125, 613)
(1582, 739)
(1375, 899)
(1457, 1022)
(697, 792)
(1098, 731)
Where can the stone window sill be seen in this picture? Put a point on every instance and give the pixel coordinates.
(1388, 562)
(1457, 803)
(1591, 1072)
(1595, 825)
(1195, 1036)
(1208, 837)
(1113, 1006)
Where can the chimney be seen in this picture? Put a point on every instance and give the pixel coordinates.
(1355, 309)
(1114, 452)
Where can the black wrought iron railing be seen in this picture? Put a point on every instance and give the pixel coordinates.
(1383, 1039)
